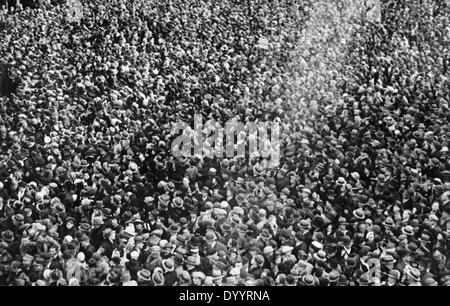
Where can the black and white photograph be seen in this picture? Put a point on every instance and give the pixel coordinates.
(224, 143)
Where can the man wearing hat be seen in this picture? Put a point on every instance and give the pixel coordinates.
(412, 276)
(256, 266)
(432, 225)
(170, 275)
(12, 223)
(158, 278)
(96, 234)
(86, 247)
(192, 263)
(212, 243)
(153, 259)
(198, 278)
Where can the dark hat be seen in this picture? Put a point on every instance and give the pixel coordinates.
(181, 239)
(220, 265)
(71, 246)
(225, 227)
(265, 234)
(195, 241)
(18, 218)
(424, 238)
(388, 221)
(46, 256)
(8, 236)
(85, 227)
(412, 247)
(174, 228)
(333, 276)
(127, 215)
(363, 280)
(210, 236)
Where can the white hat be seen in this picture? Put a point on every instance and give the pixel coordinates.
(133, 166)
(220, 211)
(201, 275)
(46, 274)
(134, 255)
(268, 249)
(355, 175)
(130, 230)
(163, 243)
(286, 249)
(74, 282)
(131, 283)
(81, 257)
(68, 239)
(317, 245)
(39, 196)
(235, 271)
(85, 201)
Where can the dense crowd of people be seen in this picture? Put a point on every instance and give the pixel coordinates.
(91, 194)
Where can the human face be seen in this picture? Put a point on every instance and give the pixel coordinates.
(197, 281)
(27, 262)
(69, 225)
(211, 243)
(138, 227)
(37, 266)
(435, 206)
(405, 215)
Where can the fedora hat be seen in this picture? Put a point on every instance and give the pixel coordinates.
(144, 275)
(359, 214)
(413, 273)
(178, 202)
(210, 236)
(388, 222)
(320, 256)
(225, 227)
(308, 280)
(8, 236)
(168, 265)
(408, 230)
(158, 277)
(342, 220)
(190, 260)
(333, 276)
